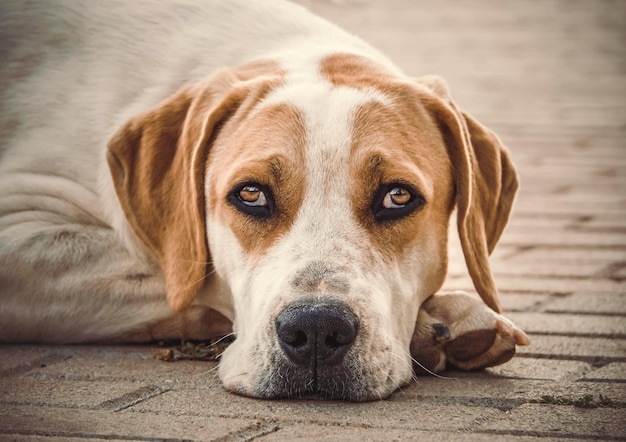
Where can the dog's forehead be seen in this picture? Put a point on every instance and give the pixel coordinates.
(313, 140)
(352, 110)
(315, 88)
(327, 109)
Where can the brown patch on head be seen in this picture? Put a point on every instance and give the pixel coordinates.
(256, 70)
(400, 145)
(458, 155)
(356, 72)
(158, 162)
(266, 148)
(396, 143)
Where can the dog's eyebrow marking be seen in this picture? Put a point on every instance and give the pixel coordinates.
(356, 72)
(317, 276)
(268, 148)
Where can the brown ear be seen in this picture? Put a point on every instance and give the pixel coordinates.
(158, 161)
(485, 194)
(486, 182)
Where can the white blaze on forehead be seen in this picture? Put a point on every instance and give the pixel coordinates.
(328, 111)
(318, 99)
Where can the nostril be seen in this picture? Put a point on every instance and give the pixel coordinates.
(297, 343)
(335, 340)
(295, 339)
(300, 339)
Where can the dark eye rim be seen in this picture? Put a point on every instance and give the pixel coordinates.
(258, 212)
(383, 214)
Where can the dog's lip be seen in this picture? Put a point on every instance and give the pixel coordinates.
(340, 384)
(328, 395)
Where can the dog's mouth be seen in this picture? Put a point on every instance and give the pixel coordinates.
(316, 354)
(340, 383)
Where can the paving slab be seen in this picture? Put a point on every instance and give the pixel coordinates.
(570, 324)
(87, 424)
(332, 433)
(398, 415)
(573, 347)
(123, 363)
(60, 393)
(560, 421)
(611, 372)
(539, 284)
(608, 304)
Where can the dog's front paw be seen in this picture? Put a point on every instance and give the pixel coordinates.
(459, 330)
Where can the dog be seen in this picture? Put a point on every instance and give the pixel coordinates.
(184, 169)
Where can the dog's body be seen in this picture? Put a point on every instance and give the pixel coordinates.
(241, 162)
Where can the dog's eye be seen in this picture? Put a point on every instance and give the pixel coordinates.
(396, 198)
(252, 195)
(252, 199)
(395, 201)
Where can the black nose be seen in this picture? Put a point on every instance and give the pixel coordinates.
(316, 333)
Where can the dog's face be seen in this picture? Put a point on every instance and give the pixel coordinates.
(325, 204)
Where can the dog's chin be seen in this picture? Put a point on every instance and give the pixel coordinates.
(278, 378)
(307, 388)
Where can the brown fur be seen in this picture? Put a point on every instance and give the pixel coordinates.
(484, 177)
(158, 163)
(395, 144)
(267, 149)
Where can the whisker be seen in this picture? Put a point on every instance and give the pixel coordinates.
(243, 373)
(204, 373)
(419, 364)
(221, 339)
(216, 357)
(205, 276)
(432, 372)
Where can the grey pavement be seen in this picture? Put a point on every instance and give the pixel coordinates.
(550, 78)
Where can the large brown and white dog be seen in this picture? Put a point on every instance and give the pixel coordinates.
(177, 168)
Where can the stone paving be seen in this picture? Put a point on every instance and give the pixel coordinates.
(550, 78)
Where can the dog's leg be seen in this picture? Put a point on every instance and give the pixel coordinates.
(76, 283)
(462, 331)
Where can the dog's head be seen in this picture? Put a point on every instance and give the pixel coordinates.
(322, 200)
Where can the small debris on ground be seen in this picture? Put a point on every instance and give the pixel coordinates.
(193, 351)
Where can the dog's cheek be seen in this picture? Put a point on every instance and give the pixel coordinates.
(237, 369)
(230, 375)
(227, 256)
(384, 338)
(247, 367)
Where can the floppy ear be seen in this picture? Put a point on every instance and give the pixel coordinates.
(485, 181)
(158, 162)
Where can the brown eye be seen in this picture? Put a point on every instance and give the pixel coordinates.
(252, 195)
(252, 199)
(395, 201)
(396, 198)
